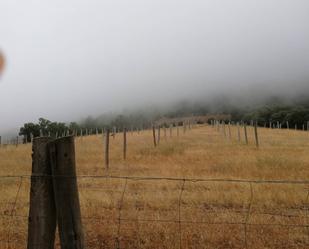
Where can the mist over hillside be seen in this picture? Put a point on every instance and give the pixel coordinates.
(237, 105)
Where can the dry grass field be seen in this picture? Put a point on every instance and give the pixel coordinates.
(162, 213)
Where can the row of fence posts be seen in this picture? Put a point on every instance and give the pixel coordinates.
(13, 141)
(78, 133)
(157, 135)
(221, 126)
(286, 125)
(86, 132)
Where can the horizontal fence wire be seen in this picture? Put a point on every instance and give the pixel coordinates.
(156, 178)
(178, 221)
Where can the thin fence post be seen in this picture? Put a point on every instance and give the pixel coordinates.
(230, 134)
(62, 160)
(177, 130)
(246, 135)
(124, 143)
(154, 136)
(107, 149)
(256, 135)
(159, 135)
(42, 212)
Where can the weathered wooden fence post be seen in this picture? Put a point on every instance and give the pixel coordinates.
(223, 128)
(114, 132)
(159, 135)
(42, 212)
(154, 136)
(256, 135)
(229, 127)
(246, 135)
(62, 159)
(107, 149)
(124, 143)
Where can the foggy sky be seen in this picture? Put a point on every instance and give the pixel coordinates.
(69, 59)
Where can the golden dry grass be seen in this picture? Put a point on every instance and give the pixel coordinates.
(212, 213)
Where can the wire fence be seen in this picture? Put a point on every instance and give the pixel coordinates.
(113, 226)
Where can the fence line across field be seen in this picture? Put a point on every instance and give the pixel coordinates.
(152, 178)
(64, 156)
(190, 124)
(179, 220)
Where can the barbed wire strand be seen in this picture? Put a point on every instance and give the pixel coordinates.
(154, 178)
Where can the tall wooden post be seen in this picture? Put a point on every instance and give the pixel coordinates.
(42, 212)
(246, 135)
(124, 143)
(62, 159)
(223, 126)
(107, 149)
(229, 127)
(154, 136)
(256, 135)
(159, 135)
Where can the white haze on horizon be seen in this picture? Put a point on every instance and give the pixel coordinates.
(70, 59)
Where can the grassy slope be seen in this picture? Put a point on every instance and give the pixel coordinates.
(200, 153)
